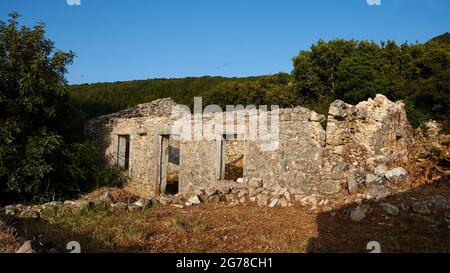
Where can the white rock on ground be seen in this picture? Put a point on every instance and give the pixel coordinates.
(194, 200)
(273, 203)
(380, 170)
(396, 175)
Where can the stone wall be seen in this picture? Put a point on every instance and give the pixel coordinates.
(308, 159)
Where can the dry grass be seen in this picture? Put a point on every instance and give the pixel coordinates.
(246, 228)
(120, 195)
(8, 240)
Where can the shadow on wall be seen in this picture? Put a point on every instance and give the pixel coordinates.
(413, 221)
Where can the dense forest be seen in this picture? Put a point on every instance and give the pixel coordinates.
(44, 156)
(350, 70)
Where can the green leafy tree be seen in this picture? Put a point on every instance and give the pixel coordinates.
(36, 117)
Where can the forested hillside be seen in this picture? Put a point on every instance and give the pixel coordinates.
(350, 70)
(103, 98)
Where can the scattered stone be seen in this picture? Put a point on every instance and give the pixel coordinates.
(283, 202)
(380, 170)
(287, 196)
(439, 202)
(224, 189)
(107, 196)
(373, 161)
(298, 197)
(240, 180)
(359, 213)
(195, 200)
(329, 187)
(214, 199)
(164, 200)
(273, 203)
(79, 205)
(119, 206)
(178, 206)
(144, 203)
(390, 209)
(372, 179)
(396, 175)
(262, 200)
(341, 167)
(255, 183)
(31, 247)
(133, 207)
(352, 186)
(309, 200)
(420, 208)
(10, 210)
(210, 191)
(241, 193)
(29, 213)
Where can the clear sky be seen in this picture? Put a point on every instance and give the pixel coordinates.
(138, 39)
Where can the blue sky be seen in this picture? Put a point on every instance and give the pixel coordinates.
(119, 40)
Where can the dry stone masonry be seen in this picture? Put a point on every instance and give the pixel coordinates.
(363, 151)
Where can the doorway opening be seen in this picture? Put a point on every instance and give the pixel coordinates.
(232, 157)
(169, 164)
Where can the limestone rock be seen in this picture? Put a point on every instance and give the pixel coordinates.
(329, 187)
(273, 203)
(380, 170)
(31, 246)
(352, 186)
(316, 117)
(119, 206)
(255, 182)
(283, 202)
(195, 200)
(372, 179)
(107, 196)
(262, 200)
(390, 209)
(144, 203)
(338, 109)
(359, 213)
(377, 191)
(210, 191)
(309, 200)
(164, 200)
(10, 210)
(29, 213)
(133, 207)
(214, 198)
(396, 175)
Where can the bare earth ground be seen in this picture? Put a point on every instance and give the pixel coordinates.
(244, 228)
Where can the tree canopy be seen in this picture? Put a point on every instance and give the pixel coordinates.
(349, 70)
(38, 158)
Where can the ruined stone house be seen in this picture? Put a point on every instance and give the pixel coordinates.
(308, 158)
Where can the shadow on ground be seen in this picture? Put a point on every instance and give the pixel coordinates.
(422, 227)
(54, 237)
